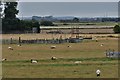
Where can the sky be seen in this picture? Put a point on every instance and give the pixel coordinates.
(68, 0)
(78, 9)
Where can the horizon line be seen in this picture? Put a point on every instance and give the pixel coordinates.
(69, 16)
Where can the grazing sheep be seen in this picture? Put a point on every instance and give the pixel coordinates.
(98, 72)
(53, 47)
(53, 58)
(4, 59)
(68, 46)
(19, 45)
(10, 48)
(33, 61)
(102, 44)
(78, 62)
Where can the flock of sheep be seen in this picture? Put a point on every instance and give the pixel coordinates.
(53, 57)
(36, 61)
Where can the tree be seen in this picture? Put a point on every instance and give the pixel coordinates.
(75, 19)
(26, 25)
(10, 22)
(0, 10)
(10, 10)
(37, 25)
(116, 29)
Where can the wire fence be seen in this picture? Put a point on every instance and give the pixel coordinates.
(41, 41)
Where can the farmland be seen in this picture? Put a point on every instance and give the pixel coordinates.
(89, 52)
(59, 40)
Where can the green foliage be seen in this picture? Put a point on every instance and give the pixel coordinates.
(28, 25)
(10, 10)
(116, 29)
(36, 24)
(10, 22)
(46, 23)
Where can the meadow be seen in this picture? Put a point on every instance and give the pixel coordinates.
(89, 52)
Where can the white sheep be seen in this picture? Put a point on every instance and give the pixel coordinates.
(78, 62)
(53, 58)
(98, 72)
(4, 59)
(10, 48)
(102, 44)
(53, 47)
(68, 46)
(19, 45)
(33, 61)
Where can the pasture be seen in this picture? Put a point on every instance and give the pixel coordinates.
(89, 52)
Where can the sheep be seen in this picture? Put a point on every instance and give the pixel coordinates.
(18, 45)
(33, 61)
(53, 58)
(68, 46)
(98, 72)
(4, 59)
(78, 62)
(102, 44)
(53, 47)
(10, 48)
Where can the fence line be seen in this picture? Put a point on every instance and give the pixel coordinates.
(41, 41)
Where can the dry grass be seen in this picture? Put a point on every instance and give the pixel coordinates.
(90, 52)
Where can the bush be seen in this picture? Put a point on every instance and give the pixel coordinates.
(116, 29)
(28, 25)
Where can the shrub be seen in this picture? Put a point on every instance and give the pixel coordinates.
(116, 29)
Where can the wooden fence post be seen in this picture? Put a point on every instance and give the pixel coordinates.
(10, 40)
(20, 41)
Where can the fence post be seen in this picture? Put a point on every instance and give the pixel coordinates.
(10, 40)
(20, 41)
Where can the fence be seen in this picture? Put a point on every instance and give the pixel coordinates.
(42, 41)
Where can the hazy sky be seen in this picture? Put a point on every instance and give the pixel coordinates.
(81, 9)
(68, 0)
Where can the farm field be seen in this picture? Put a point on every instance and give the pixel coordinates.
(89, 52)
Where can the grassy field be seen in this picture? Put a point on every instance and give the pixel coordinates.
(90, 52)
